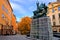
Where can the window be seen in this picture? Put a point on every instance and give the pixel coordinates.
(3, 8)
(59, 30)
(59, 15)
(3, 16)
(6, 10)
(53, 10)
(54, 23)
(55, 31)
(53, 16)
(59, 8)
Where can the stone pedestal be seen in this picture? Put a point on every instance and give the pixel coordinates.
(41, 29)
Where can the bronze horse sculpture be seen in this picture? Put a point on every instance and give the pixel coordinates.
(41, 11)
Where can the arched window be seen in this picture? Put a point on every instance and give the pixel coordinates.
(53, 16)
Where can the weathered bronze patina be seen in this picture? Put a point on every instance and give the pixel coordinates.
(41, 10)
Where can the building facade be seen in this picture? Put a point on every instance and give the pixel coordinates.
(6, 12)
(54, 14)
(14, 23)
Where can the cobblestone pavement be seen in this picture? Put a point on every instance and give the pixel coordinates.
(14, 37)
(55, 38)
(19, 37)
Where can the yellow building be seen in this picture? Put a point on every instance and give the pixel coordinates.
(6, 13)
(54, 14)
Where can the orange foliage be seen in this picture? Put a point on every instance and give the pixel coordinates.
(24, 25)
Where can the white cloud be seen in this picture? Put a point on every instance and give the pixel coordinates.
(18, 8)
(19, 1)
(19, 19)
(25, 7)
(32, 8)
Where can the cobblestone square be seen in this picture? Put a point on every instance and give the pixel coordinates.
(19, 37)
(14, 37)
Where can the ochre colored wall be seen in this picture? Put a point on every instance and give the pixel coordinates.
(14, 23)
(8, 13)
(54, 6)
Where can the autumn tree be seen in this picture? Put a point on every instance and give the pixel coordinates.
(24, 25)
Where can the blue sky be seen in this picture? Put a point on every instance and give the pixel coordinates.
(22, 8)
